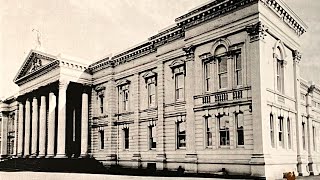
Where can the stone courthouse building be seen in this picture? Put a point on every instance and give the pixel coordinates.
(221, 88)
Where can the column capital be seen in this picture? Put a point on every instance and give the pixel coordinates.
(296, 56)
(257, 31)
(63, 84)
(189, 50)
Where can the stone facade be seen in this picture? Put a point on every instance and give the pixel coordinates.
(221, 88)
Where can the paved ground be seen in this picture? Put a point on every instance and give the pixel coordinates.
(75, 176)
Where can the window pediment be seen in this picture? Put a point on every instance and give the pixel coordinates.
(149, 74)
(177, 63)
(123, 82)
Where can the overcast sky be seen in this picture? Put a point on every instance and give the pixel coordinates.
(91, 29)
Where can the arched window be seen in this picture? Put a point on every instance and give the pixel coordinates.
(280, 70)
(220, 54)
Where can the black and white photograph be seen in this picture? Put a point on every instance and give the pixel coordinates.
(159, 89)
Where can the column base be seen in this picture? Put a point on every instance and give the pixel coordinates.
(41, 156)
(61, 156)
(191, 165)
(161, 162)
(313, 169)
(84, 156)
(49, 156)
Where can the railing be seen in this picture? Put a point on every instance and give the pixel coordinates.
(223, 96)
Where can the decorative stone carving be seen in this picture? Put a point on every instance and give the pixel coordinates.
(257, 31)
(296, 56)
(189, 50)
(36, 64)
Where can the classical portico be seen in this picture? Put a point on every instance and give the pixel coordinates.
(53, 107)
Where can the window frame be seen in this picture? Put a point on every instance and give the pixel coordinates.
(221, 58)
(178, 89)
(150, 93)
(239, 129)
(181, 136)
(238, 72)
(314, 135)
(221, 130)
(281, 131)
(152, 137)
(207, 66)
(101, 139)
(272, 138)
(101, 102)
(126, 138)
(289, 133)
(304, 143)
(209, 130)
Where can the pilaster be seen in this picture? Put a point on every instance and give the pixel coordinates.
(136, 101)
(161, 152)
(256, 54)
(191, 156)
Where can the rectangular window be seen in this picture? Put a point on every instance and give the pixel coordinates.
(238, 70)
(152, 137)
(101, 139)
(209, 128)
(289, 133)
(280, 78)
(126, 138)
(303, 136)
(207, 76)
(179, 78)
(281, 141)
(125, 100)
(152, 94)
(314, 135)
(181, 134)
(224, 134)
(101, 104)
(240, 124)
(223, 72)
(272, 130)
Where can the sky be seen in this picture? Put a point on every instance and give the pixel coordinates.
(92, 30)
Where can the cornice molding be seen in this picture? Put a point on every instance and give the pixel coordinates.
(209, 11)
(287, 15)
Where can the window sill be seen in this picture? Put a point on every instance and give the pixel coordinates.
(152, 149)
(224, 147)
(124, 113)
(181, 149)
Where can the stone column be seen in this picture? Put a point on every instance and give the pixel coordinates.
(34, 135)
(191, 156)
(84, 124)
(20, 130)
(16, 115)
(61, 143)
(4, 134)
(42, 127)
(51, 124)
(27, 129)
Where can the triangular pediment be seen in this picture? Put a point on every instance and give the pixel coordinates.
(33, 63)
